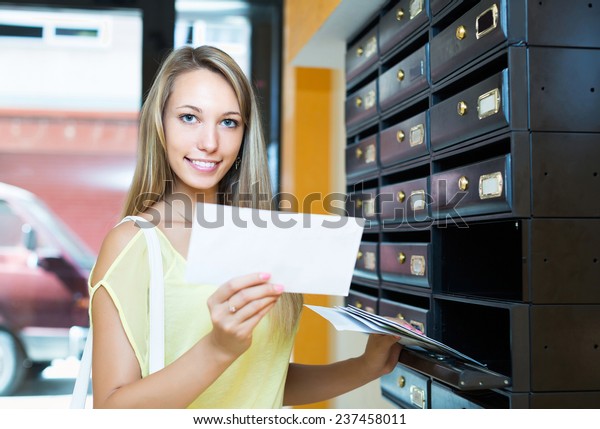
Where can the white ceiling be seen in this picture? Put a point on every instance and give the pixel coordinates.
(327, 48)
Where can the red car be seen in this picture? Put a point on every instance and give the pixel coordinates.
(44, 301)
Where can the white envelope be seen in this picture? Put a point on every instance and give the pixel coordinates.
(305, 253)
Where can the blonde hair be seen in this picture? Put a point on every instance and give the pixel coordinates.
(247, 186)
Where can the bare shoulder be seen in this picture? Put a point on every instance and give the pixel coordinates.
(115, 241)
(119, 237)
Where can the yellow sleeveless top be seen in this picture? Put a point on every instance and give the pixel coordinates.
(255, 380)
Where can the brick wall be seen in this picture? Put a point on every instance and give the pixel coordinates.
(79, 164)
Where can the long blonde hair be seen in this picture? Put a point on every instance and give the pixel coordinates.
(153, 178)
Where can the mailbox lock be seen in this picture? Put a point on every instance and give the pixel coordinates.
(463, 183)
(359, 52)
(400, 75)
(359, 152)
(401, 257)
(401, 382)
(400, 136)
(461, 32)
(401, 196)
(358, 101)
(461, 108)
(399, 14)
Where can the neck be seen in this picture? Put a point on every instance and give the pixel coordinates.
(192, 195)
(179, 208)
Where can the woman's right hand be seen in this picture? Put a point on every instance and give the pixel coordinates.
(237, 307)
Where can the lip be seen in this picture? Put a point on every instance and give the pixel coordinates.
(203, 165)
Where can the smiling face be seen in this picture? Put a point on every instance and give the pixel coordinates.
(204, 132)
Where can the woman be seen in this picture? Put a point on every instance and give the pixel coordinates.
(227, 346)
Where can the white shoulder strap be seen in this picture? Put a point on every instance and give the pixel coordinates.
(156, 305)
(82, 382)
(156, 316)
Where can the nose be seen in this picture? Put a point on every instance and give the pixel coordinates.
(208, 140)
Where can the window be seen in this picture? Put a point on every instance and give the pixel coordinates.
(69, 107)
(221, 25)
(10, 226)
(250, 32)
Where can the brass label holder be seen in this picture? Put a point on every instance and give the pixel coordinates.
(490, 185)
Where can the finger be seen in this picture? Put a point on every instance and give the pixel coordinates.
(254, 307)
(245, 296)
(393, 357)
(229, 288)
(382, 342)
(405, 324)
(248, 325)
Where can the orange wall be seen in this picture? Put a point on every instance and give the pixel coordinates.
(302, 19)
(306, 159)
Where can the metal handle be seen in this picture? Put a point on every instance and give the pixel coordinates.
(400, 136)
(401, 382)
(401, 259)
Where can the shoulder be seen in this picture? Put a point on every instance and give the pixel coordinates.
(120, 237)
(113, 245)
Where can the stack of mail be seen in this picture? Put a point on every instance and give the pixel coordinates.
(351, 318)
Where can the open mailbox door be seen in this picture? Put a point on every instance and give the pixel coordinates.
(460, 374)
(421, 353)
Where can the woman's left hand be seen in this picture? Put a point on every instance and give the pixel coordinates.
(306, 384)
(381, 354)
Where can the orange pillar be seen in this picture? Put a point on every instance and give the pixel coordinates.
(306, 171)
(306, 152)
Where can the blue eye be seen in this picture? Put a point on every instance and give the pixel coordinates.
(187, 118)
(230, 123)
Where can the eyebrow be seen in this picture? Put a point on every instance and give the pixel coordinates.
(199, 110)
(189, 106)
